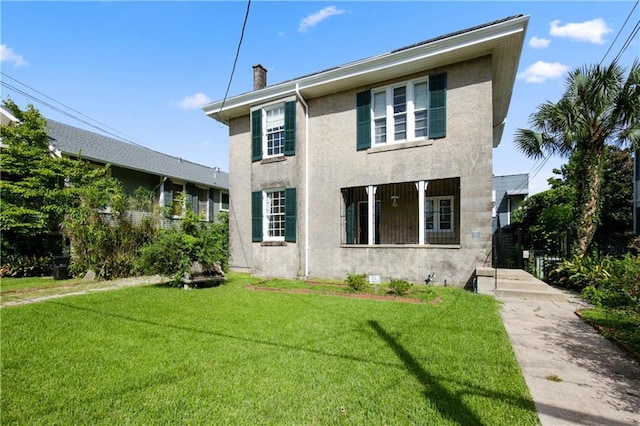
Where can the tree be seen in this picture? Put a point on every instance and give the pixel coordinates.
(37, 187)
(599, 107)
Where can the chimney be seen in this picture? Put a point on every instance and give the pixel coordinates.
(259, 77)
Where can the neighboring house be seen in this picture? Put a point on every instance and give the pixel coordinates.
(175, 181)
(382, 166)
(509, 192)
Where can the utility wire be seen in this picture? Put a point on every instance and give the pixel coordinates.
(244, 24)
(620, 31)
(626, 44)
(61, 111)
(71, 109)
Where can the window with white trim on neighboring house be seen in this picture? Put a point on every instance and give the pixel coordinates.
(273, 214)
(402, 112)
(273, 131)
(224, 201)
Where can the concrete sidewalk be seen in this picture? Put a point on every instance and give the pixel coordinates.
(575, 376)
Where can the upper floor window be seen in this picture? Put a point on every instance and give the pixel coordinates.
(274, 134)
(411, 110)
(273, 131)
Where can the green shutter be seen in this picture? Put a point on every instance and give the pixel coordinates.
(438, 106)
(350, 217)
(290, 128)
(256, 135)
(256, 216)
(363, 117)
(290, 209)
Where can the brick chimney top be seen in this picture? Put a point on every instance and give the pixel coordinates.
(259, 77)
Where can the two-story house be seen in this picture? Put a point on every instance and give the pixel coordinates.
(382, 166)
(177, 183)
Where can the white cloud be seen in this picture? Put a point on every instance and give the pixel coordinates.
(591, 31)
(539, 43)
(193, 101)
(542, 71)
(319, 16)
(7, 54)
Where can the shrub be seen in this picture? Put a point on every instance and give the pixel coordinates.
(174, 250)
(580, 272)
(399, 287)
(620, 289)
(25, 266)
(357, 282)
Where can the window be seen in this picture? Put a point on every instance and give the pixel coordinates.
(411, 110)
(273, 131)
(224, 201)
(203, 203)
(438, 214)
(274, 125)
(177, 195)
(273, 214)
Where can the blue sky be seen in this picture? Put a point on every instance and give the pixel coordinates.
(142, 69)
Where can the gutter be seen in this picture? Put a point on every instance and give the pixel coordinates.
(306, 181)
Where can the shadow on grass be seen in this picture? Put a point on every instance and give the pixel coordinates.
(450, 405)
(223, 335)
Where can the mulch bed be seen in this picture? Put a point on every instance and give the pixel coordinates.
(367, 296)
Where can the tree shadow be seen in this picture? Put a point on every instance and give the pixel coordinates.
(448, 404)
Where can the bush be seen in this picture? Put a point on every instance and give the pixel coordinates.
(174, 250)
(580, 272)
(357, 282)
(25, 266)
(612, 283)
(399, 287)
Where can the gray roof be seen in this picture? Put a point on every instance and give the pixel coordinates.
(94, 147)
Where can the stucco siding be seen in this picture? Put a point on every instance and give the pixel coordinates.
(334, 163)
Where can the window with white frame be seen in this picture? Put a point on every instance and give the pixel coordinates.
(224, 201)
(178, 197)
(400, 112)
(203, 203)
(274, 209)
(274, 130)
(438, 214)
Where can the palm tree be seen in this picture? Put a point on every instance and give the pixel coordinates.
(599, 107)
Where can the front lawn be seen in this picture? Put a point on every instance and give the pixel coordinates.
(230, 355)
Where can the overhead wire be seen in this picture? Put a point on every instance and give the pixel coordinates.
(127, 139)
(233, 69)
(626, 44)
(619, 31)
(61, 111)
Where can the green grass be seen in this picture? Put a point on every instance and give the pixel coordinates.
(229, 355)
(620, 326)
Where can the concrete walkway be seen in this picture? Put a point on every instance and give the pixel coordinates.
(575, 376)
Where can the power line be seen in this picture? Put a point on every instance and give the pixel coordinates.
(628, 41)
(620, 31)
(69, 108)
(61, 111)
(244, 24)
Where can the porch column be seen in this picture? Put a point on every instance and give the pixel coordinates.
(422, 188)
(371, 208)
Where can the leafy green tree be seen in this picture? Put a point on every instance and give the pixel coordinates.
(599, 107)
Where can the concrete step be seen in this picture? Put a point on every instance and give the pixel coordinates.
(532, 285)
(549, 295)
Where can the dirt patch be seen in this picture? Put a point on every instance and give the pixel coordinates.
(365, 296)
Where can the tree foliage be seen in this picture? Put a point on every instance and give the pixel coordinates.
(37, 187)
(599, 107)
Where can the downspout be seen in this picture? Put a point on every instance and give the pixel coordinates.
(306, 181)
